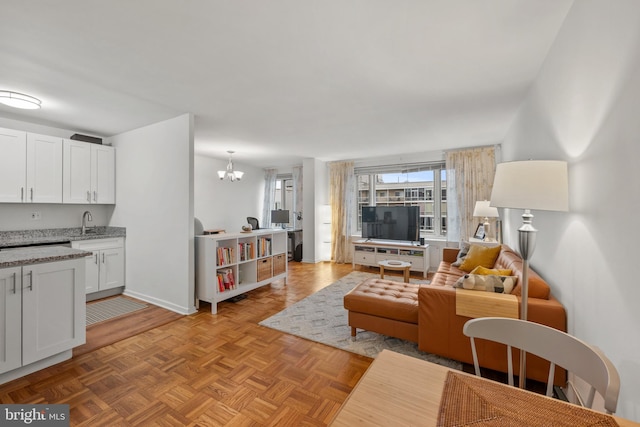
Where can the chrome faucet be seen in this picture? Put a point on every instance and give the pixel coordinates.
(86, 216)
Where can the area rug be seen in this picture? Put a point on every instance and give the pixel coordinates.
(110, 308)
(321, 317)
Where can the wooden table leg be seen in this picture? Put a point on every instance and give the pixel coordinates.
(406, 275)
(382, 272)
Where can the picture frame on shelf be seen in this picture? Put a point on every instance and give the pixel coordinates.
(479, 234)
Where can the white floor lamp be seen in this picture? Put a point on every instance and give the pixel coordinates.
(530, 185)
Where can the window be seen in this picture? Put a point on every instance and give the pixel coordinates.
(422, 185)
(284, 194)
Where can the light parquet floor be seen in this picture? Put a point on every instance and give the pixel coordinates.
(207, 370)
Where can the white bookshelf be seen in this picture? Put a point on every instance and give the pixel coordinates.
(254, 259)
(370, 252)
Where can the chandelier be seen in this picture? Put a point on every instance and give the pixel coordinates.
(230, 174)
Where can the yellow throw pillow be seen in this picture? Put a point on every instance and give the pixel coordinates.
(484, 256)
(491, 271)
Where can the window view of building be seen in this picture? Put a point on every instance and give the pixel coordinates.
(426, 189)
(284, 194)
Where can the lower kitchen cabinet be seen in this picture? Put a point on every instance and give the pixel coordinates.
(105, 268)
(43, 314)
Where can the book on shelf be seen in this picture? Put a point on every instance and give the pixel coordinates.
(220, 282)
(247, 251)
(264, 246)
(224, 255)
(226, 280)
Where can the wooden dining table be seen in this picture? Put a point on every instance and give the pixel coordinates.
(399, 390)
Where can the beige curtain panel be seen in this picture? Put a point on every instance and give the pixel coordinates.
(341, 179)
(470, 175)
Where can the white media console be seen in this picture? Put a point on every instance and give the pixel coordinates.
(370, 252)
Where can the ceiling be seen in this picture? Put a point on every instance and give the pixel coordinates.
(281, 80)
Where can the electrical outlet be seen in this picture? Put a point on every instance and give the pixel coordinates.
(35, 216)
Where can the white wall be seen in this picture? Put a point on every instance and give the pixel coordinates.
(585, 108)
(154, 186)
(17, 216)
(226, 204)
(315, 184)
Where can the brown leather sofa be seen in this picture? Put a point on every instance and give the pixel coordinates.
(426, 314)
(440, 328)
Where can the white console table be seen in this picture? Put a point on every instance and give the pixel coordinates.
(371, 252)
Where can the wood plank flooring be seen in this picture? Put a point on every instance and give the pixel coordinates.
(204, 369)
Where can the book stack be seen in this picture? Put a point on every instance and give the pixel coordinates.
(247, 251)
(264, 246)
(226, 280)
(225, 255)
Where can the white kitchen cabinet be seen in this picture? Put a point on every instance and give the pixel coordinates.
(47, 309)
(13, 165)
(76, 172)
(103, 176)
(88, 173)
(30, 167)
(105, 269)
(10, 331)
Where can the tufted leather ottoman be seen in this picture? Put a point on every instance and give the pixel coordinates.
(384, 306)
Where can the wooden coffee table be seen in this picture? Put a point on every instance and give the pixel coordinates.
(390, 264)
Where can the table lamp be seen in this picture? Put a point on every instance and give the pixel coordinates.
(483, 209)
(530, 185)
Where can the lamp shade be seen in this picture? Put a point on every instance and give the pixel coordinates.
(531, 184)
(483, 209)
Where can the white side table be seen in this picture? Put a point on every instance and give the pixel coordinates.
(395, 265)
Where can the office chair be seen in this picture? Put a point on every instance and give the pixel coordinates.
(557, 347)
(253, 222)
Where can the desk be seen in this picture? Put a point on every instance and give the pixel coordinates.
(399, 390)
(295, 239)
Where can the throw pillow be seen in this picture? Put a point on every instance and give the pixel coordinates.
(491, 283)
(491, 271)
(464, 249)
(484, 256)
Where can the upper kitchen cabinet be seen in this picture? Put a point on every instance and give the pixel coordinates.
(88, 173)
(30, 167)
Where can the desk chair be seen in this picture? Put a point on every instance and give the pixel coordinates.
(559, 348)
(253, 222)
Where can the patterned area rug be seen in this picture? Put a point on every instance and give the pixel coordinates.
(321, 317)
(110, 308)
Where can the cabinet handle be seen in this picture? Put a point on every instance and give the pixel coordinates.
(95, 196)
(30, 280)
(32, 194)
(88, 196)
(96, 258)
(22, 194)
(103, 257)
(15, 280)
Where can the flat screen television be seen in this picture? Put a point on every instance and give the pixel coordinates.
(391, 223)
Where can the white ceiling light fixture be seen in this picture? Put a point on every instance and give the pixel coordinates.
(230, 174)
(19, 100)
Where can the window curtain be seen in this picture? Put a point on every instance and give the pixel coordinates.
(341, 189)
(269, 196)
(297, 197)
(470, 175)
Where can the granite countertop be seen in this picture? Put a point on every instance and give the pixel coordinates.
(36, 255)
(19, 238)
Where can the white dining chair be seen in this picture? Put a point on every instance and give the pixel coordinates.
(559, 348)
